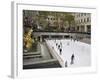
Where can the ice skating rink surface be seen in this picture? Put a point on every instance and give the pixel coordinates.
(81, 51)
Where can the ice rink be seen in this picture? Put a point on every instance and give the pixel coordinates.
(81, 51)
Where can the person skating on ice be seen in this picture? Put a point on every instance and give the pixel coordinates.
(60, 50)
(66, 64)
(72, 59)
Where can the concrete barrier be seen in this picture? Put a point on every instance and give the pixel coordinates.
(55, 55)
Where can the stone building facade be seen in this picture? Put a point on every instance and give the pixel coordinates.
(83, 22)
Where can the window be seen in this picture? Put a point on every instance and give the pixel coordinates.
(84, 20)
(81, 21)
(87, 19)
(81, 14)
(84, 14)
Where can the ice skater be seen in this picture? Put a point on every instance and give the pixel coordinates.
(72, 59)
(60, 51)
(71, 38)
(61, 44)
(66, 64)
(58, 46)
(74, 40)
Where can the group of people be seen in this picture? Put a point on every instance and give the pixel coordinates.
(59, 47)
(74, 39)
(72, 60)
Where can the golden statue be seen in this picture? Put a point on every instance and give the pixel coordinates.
(28, 41)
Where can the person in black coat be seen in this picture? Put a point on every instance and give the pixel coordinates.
(72, 59)
(60, 51)
(58, 46)
(66, 64)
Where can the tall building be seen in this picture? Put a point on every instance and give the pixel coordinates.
(83, 22)
(57, 22)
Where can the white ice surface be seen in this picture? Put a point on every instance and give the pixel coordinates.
(81, 51)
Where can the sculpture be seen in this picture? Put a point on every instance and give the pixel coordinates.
(27, 40)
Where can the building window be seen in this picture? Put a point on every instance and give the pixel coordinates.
(84, 20)
(77, 28)
(87, 19)
(82, 28)
(77, 15)
(81, 14)
(88, 28)
(81, 21)
(84, 14)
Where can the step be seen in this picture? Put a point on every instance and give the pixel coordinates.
(32, 56)
(32, 53)
(42, 61)
(52, 63)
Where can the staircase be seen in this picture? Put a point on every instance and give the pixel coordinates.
(52, 63)
(39, 59)
(32, 55)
